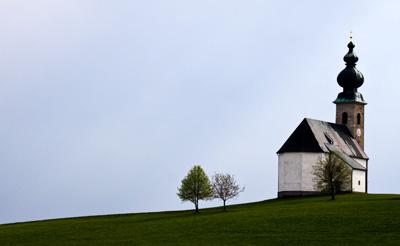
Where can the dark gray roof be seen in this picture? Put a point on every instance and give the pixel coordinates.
(314, 136)
(350, 161)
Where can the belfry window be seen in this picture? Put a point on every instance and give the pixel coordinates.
(358, 118)
(344, 118)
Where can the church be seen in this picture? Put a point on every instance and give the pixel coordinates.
(314, 139)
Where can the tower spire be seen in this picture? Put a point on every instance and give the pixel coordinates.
(350, 78)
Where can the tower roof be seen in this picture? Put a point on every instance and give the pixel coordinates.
(350, 79)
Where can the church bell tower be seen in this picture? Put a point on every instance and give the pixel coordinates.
(350, 103)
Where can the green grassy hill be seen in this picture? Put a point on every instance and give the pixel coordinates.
(353, 219)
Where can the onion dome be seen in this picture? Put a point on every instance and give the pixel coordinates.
(350, 79)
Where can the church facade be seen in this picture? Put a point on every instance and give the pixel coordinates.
(314, 139)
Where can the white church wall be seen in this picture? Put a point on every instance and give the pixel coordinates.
(361, 161)
(296, 171)
(358, 181)
(308, 161)
(289, 172)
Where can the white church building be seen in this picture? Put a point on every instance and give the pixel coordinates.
(314, 139)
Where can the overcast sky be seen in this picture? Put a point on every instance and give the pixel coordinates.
(105, 105)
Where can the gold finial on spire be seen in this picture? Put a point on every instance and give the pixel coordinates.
(351, 36)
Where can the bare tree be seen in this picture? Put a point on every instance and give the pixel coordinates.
(224, 186)
(332, 174)
(195, 186)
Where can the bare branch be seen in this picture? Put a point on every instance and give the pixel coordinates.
(224, 186)
(332, 175)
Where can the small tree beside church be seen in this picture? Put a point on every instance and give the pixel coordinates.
(332, 175)
(195, 186)
(225, 187)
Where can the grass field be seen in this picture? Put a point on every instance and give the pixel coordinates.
(353, 219)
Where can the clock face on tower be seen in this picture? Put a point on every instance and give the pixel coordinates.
(358, 132)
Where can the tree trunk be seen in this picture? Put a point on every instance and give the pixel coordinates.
(332, 191)
(224, 206)
(196, 204)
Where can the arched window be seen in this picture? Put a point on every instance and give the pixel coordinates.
(344, 118)
(358, 118)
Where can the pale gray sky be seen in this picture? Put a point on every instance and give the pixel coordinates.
(105, 105)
